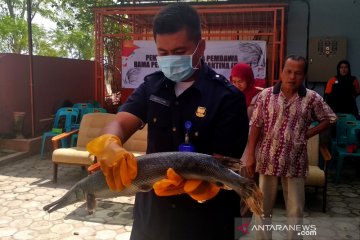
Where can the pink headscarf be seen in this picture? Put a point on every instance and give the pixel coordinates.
(244, 71)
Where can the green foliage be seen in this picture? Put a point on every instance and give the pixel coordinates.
(13, 34)
(72, 38)
(75, 43)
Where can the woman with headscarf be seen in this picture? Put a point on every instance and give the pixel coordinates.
(341, 90)
(242, 77)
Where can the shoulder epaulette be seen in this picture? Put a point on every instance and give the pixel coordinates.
(224, 81)
(154, 75)
(221, 79)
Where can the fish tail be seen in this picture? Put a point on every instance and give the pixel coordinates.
(253, 198)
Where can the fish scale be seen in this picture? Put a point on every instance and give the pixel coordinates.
(152, 168)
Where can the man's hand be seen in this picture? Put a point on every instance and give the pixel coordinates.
(250, 165)
(309, 133)
(118, 165)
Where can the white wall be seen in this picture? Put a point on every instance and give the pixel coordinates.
(337, 18)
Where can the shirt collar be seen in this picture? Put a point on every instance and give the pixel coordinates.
(301, 90)
(200, 83)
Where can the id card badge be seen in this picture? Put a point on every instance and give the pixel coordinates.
(187, 146)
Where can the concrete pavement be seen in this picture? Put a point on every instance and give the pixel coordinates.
(26, 186)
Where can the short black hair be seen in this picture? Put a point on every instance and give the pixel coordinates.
(174, 18)
(297, 58)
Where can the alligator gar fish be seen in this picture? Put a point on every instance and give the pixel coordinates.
(152, 168)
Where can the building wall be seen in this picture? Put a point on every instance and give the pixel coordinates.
(58, 79)
(328, 18)
(55, 80)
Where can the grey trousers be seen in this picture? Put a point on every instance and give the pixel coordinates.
(294, 196)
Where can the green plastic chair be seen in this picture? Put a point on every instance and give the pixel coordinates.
(82, 107)
(347, 137)
(341, 137)
(70, 116)
(76, 126)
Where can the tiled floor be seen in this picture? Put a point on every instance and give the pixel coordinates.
(25, 187)
(342, 218)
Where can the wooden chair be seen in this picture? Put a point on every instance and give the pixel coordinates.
(137, 143)
(90, 128)
(317, 176)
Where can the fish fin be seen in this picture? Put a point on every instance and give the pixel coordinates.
(226, 187)
(232, 163)
(90, 203)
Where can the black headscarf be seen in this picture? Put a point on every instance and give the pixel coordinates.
(338, 69)
(343, 93)
(346, 82)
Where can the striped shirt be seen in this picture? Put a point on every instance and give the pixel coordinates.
(282, 146)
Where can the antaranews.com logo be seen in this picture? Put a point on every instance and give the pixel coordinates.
(332, 228)
(244, 227)
(303, 230)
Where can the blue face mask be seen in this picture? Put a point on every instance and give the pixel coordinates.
(177, 67)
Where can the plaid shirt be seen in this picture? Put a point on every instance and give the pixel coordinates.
(282, 146)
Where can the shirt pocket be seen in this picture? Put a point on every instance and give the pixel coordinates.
(159, 114)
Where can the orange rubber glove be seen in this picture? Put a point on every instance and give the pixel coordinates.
(174, 184)
(201, 190)
(118, 165)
